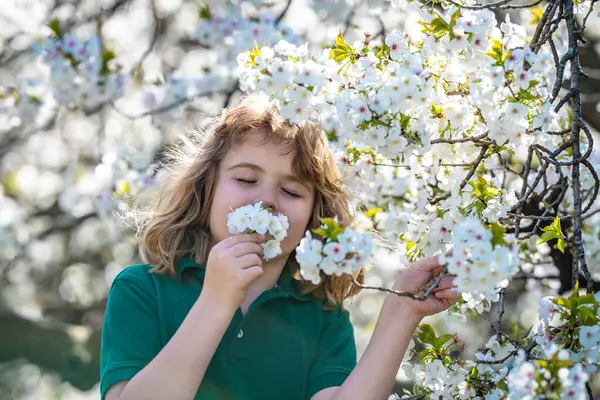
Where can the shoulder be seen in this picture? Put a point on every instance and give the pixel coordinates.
(138, 278)
(138, 275)
(135, 273)
(133, 289)
(334, 316)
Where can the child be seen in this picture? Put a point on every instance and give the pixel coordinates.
(208, 318)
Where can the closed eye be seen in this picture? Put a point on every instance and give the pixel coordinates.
(290, 193)
(246, 181)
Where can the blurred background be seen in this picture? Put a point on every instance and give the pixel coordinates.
(67, 171)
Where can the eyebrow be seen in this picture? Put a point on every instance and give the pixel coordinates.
(260, 169)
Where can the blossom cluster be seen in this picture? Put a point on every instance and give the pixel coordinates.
(522, 365)
(480, 265)
(412, 90)
(538, 380)
(385, 104)
(343, 251)
(242, 32)
(253, 218)
(21, 104)
(222, 26)
(571, 326)
(81, 72)
(118, 179)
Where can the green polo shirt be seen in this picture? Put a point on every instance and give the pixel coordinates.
(285, 347)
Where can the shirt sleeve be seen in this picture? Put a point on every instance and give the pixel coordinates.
(130, 331)
(336, 356)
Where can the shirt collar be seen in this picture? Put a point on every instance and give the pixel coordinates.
(187, 262)
(286, 282)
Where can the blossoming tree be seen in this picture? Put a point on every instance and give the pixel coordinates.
(456, 133)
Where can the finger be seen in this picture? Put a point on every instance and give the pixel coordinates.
(240, 249)
(430, 263)
(447, 282)
(249, 260)
(448, 294)
(252, 273)
(246, 237)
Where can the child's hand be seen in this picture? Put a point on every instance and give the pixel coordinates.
(419, 276)
(232, 265)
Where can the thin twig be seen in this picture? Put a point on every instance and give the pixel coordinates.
(285, 10)
(421, 295)
(475, 164)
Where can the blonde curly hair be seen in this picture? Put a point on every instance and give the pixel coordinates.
(178, 222)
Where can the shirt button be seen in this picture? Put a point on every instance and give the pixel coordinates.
(240, 333)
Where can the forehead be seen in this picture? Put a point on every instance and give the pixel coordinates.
(263, 150)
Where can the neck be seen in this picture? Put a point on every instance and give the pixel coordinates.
(271, 271)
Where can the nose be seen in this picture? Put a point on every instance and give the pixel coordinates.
(269, 199)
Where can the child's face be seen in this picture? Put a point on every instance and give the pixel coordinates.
(261, 170)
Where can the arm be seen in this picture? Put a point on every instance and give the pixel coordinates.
(177, 370)
(374, 375)
(145, 369)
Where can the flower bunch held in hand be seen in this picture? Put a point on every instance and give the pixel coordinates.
(256, 219)
(336, 251)
(481, 259)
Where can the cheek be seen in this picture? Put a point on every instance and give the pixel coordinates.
(228, 196)
(298, 218)
(225, 199)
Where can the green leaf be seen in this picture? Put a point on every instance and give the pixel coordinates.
(107, 56)
(440, 341)
(426, 334)
(515, 330)
(205, 13)
(556, 224)
(560, 245)
(497, 233)
(335, 232)
(587, 299)
(496, 52)
(436, 109)
(474, 372)
(54, 25)
(586, 312)
(371, 213)
(426, 355)
(332, 136)
(320, 231)
(547, 236)
(404, 121)
(329, 223)
(526, 95)
(553, 231)
(455, 17)
(384, 52)
(341, 50)
(437, 27)
(563, 302)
